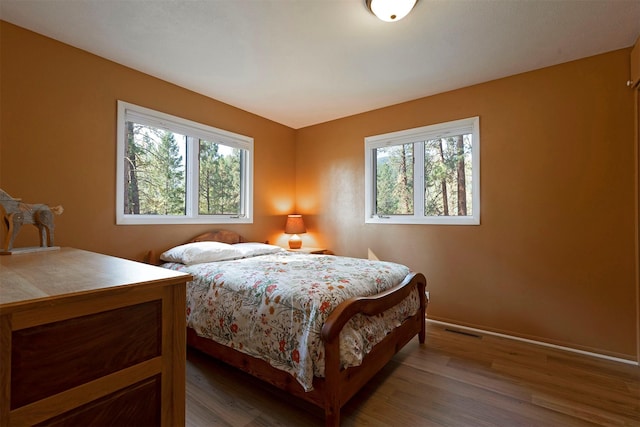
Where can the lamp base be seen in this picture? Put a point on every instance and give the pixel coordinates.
(295, 242)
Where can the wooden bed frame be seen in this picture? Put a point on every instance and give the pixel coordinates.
(339, 385)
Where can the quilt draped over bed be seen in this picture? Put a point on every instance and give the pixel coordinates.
(273, 307)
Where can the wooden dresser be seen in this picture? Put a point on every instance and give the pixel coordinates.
(89, 339)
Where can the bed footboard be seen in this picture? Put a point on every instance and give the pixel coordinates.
(342, 384)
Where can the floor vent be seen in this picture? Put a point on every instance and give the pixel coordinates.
(469, 334)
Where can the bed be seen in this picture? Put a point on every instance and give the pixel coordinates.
(317, 326)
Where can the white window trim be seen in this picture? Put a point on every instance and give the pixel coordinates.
(418, 135)
(193, 130)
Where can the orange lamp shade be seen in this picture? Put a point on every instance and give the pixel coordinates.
(295, 226)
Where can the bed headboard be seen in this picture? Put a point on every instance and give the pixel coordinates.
(224, 236)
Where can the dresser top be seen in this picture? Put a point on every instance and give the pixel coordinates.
(45, 276)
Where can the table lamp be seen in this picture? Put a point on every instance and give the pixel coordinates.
(295, 226)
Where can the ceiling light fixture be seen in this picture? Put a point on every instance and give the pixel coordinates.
(390, 10)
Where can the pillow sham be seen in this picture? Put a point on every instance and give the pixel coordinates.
(255, 249)
(199, 252)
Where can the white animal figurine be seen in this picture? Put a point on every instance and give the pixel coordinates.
(15, 213)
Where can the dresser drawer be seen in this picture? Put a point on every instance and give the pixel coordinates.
(137, 405)
(51, 358)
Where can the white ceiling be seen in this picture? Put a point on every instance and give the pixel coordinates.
(302, 62)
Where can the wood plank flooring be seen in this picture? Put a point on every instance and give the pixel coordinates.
(452, 380)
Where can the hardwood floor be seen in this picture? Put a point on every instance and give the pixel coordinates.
(453, 380)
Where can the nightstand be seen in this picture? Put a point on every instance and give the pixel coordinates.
(309, 250)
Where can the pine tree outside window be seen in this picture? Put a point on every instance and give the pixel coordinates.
(426, 175)
(173, 171)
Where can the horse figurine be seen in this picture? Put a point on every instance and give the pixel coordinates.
(15, 213)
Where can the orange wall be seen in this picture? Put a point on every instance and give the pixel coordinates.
(58, 144)
(553, 259)
(554, 256)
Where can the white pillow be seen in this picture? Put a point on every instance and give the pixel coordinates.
(255, 249)
(199, 252)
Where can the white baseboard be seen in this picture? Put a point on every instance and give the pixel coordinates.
(541, 343)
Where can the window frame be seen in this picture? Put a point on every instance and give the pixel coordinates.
(193, 131)
(418, 136)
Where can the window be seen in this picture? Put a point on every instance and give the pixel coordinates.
(174, 171)
(427, 175)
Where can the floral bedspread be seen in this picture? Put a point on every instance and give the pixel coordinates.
(273, 307)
